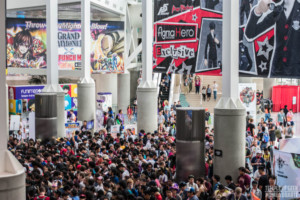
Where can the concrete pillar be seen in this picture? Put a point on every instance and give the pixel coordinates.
(268, 86)
(46, 115)
(86, 86)
(107, 83)
(245, 80)
(229, 113)
(86, 101)
(60, 103)
(147, 91)
(190, 147)
(134, 76)
(12, 175)
(147, 109)
(229, 124)
(123, 91)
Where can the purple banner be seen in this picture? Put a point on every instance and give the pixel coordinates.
(28, 92)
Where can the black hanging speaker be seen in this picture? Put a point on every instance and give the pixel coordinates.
(46, 105)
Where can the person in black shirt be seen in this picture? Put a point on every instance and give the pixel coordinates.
(230, 183)
(271, 128)
(285, 110)
(263, 181)
(251, 127)
(210, 4)
(211, 47)
(84, 126)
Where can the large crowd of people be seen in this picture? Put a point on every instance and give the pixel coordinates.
(99, 166)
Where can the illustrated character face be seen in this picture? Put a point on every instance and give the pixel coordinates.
(107, 44)
(23, 41)
(24, 47)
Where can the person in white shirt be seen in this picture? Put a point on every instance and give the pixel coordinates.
(72, 116)
(191, 183)
(215, 90)
(161, 119)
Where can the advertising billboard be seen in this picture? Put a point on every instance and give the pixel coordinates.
(27, 45)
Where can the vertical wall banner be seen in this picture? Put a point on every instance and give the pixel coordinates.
(247, 93)
(32, 125)
(268, 42)
(70, 128)
(107, 46)
(26, 45)
(69, 45)
(14, 122)
(286, 167)
(104, 100)
(177, 32)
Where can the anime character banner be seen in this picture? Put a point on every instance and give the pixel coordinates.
(26, 45)
(268, 47)
(181, 35)
(107, 46)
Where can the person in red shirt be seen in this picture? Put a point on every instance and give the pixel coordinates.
(42, 195)
(244, 179)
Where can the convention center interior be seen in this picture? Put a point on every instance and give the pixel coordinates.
(149, 100)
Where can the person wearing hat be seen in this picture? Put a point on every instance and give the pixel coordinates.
(221, 192)
(257, 161)
(192, 194)
(191, 183)
(255, 191)
(175, 191)
(99, 183)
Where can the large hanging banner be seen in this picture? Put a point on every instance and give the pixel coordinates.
(247, 93)
(27, 39)
(188, 37)
(286, 167)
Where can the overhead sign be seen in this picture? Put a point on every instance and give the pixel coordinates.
(27, 44)
(264, 51)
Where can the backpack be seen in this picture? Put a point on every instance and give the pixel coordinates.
(266, 138)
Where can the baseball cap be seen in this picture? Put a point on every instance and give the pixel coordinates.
(191, 190)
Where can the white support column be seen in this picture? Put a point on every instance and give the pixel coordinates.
(86, 86)
(229, 113)
(52, 45)
(86, 38)
(124, 79)
(147, 10)
(12, 175)
(52, 64)
(147, 91)
(3, 94)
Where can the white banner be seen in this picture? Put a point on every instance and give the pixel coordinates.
(15, 122)
(114, 130)
(132, 127)
(104, 100)
(32, 125)
(286, 167)
(247, 94)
